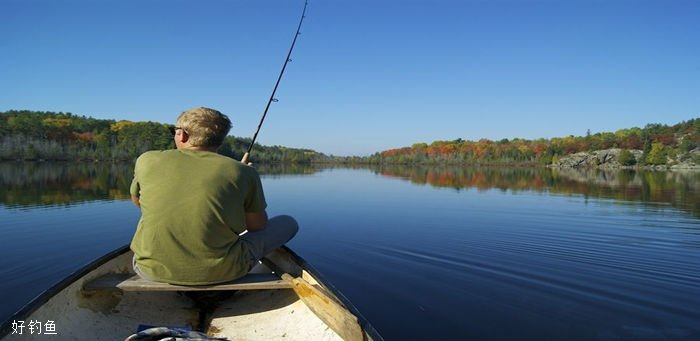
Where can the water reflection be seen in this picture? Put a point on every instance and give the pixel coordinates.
(32, 184)
(24, 184)
(680, 189)
(275, 170)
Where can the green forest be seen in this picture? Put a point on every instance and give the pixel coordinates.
(52, 136)
(658, 142)
(58, 136)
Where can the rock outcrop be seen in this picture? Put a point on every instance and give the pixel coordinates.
(609, 159)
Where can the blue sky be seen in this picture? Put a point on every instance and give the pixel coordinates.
(366, 75)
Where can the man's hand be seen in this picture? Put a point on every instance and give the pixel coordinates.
(136, 201)
(255, 221)
(244, 159)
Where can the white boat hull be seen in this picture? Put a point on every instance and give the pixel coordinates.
(80, 314)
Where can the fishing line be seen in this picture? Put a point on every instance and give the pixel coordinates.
(279, 78)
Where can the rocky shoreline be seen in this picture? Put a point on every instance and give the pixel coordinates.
(609, 159)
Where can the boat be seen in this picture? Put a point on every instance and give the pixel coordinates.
(282, 298)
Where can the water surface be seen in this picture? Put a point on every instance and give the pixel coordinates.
(424, 253)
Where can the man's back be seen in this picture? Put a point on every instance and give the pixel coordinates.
(193, 207)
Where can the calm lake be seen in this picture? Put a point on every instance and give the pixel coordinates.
(424, 253)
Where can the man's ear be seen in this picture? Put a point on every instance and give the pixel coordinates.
(184, 137)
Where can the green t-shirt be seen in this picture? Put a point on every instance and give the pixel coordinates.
(193, 206)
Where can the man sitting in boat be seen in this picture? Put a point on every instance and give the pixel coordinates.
(195, 206)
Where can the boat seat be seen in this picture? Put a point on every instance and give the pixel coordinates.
(132, 282)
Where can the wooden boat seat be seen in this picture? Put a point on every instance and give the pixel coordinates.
(132, 282)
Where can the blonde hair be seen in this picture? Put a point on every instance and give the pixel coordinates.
(205, 127)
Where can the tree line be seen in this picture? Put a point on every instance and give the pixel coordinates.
(43, 135)
(658, 142)
(59, 136)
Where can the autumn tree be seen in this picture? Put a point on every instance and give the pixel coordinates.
(657, 155)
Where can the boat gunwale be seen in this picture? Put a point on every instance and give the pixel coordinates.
(367, 327)
(49, 293)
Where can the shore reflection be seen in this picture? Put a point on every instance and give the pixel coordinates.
(681, 189)
(27, 184)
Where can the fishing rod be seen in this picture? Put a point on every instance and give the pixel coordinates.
(279, 78)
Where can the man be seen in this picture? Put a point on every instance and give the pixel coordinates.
(195, 204)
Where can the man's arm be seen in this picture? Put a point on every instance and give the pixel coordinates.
(255, 221)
